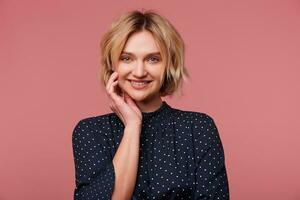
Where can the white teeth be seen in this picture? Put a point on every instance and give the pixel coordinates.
(139, 83)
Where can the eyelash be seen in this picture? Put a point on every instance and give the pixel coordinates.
(156, 59)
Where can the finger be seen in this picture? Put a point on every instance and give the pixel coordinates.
(118, 100)
(115, 109)
(125, 96)
(132, 103)
(111, 84)
(111, 79)
(112, 91)
(129, 100)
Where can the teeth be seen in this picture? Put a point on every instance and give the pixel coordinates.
(139, 83)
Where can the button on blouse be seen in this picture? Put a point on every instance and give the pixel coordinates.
(181, 156)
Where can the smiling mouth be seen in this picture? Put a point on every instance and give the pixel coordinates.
(139, 84)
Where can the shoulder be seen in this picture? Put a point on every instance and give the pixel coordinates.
(94, 124)
(93, 121)
(201, 124)
(205, 129)
(194, 117)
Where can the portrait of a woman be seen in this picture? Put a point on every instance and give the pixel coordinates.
(145, 148)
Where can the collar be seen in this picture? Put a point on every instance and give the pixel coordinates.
(164, 107)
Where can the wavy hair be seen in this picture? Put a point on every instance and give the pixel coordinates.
(167, 37)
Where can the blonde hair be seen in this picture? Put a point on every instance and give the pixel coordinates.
(169, 41)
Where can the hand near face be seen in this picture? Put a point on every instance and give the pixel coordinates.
(121, 103)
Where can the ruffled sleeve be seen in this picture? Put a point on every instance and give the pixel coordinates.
(94, 170)
(211, 175)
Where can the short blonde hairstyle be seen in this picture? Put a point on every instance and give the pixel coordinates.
(167, 37)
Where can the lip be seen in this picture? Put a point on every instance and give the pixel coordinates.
(139, 80)
(139, 87)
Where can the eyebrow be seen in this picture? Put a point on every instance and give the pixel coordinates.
(149, 54)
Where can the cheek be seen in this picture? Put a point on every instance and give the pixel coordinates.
(121, 74)
(122, 70)
(159, 76)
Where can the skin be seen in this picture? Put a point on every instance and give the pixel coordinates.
(129, 105)
(141, 65)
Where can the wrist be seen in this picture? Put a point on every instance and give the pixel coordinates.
(132, 127)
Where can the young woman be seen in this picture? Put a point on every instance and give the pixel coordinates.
(146, 149)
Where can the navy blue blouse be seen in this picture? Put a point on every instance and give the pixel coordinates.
(181, 156)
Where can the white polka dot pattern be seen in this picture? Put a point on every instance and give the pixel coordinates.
(181, 156)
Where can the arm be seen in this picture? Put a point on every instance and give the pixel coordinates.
(98, 176)
(126, 163)
(94, 170)
(211, 175)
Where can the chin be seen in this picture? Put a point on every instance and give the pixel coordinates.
(139, 95)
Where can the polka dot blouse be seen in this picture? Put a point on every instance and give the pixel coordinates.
(181, 156)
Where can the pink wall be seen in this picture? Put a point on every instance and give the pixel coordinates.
(244, 61)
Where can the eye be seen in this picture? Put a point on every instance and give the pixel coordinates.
(125, 58)
(154, 59)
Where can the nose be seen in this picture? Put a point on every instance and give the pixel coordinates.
(139, 69)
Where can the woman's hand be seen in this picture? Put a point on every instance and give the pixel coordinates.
(122, 104)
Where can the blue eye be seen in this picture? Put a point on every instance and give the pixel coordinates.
(151, 59)
(125, 59)
(154, 59)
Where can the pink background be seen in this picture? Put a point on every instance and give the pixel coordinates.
(244, 61)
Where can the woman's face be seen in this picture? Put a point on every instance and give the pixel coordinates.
(141, 61)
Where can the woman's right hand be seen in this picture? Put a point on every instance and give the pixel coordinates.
(124, 106)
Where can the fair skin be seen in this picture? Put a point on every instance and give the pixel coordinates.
(140, 60)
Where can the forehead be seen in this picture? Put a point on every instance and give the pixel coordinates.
(141, 43)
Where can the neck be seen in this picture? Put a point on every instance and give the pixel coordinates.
(149, 106)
